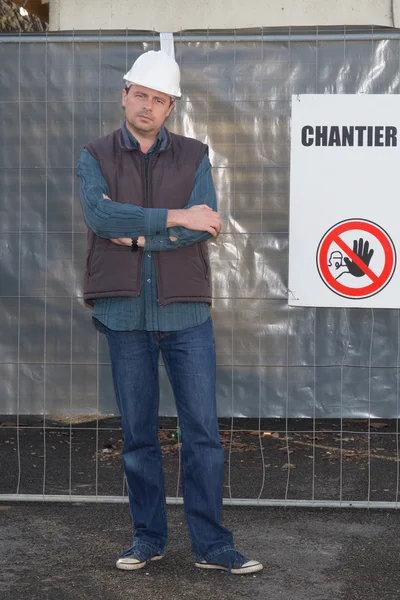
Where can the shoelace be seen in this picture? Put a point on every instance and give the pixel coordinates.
(234, 556)
(136, 551)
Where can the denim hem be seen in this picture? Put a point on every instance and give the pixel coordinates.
(140, 542)
(208, 557)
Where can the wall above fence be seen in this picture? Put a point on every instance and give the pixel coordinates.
(172, 15)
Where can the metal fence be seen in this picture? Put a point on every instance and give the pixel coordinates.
(309, 384)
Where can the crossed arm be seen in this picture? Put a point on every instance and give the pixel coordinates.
(155, 228)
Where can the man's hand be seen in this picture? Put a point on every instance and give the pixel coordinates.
(198, 218)
(128, 241)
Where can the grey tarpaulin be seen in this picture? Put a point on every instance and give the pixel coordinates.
(57, 93)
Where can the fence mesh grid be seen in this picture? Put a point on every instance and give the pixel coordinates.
(301, 391)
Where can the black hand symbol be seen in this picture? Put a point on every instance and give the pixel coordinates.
(364, 253)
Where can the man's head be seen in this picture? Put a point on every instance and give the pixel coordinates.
(151, 86)
(336, 259)
(146, 109)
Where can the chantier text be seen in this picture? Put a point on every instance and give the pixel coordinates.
(352, 135)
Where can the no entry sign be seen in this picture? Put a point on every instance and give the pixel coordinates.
(344, 201)
(356, 258)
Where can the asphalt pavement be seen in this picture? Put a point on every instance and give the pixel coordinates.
(68, 551)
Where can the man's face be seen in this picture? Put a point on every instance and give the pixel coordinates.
(146, 109)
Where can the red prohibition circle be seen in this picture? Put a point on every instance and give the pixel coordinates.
(379, 281)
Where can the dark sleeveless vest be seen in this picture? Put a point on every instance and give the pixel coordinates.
(183, 275)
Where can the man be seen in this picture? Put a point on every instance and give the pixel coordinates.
(149, 203)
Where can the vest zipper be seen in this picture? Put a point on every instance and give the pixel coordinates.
(141, 254)
(155, 256)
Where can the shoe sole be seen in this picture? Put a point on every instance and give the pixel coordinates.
(126, 566)
(242, 571)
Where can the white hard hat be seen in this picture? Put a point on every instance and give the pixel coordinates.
(157, 71)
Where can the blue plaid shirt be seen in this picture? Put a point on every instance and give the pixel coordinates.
(114, 220)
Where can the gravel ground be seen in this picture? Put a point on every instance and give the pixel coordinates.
(67, 552)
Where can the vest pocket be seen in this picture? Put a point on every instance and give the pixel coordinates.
(90, 257)
(204, 260)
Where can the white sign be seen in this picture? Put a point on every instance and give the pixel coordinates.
(345, 201)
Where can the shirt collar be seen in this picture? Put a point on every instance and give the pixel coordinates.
(131, 142)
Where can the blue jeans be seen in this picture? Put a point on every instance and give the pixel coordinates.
(189, 357)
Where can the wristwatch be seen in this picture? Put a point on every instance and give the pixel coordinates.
(134, 246)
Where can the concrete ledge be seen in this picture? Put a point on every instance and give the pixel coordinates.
(172, 15)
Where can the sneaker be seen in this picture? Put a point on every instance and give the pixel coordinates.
(232, 562)
(137, 557)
